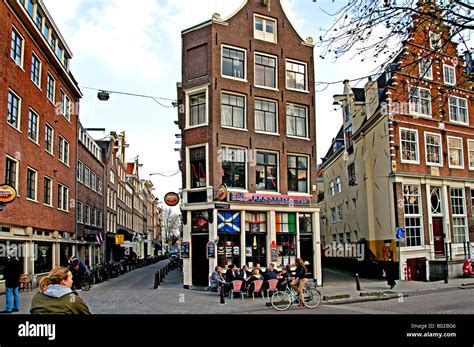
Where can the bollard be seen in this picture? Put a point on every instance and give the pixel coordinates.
(157, 280)
(357, 282)
(162, 272)
(222, 295)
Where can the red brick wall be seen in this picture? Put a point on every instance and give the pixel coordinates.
(17, 144)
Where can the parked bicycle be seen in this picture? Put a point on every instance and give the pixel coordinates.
(283, 299)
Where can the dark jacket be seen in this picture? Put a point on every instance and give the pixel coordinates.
(13, 270)
(270, 275)
(58, 299)
(245, 274)
(300, 272)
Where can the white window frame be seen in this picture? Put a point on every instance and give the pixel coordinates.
(458, 121)
(48, 78)
(306, 90)
(332, 188)
(17, 172)
(223, 148)
(245, 111)
(449, 152)
(189, 93)
(18, 116)
(63, 157)
(93, 181)
(440, 164)
(405, 161)
(51, 193)
(61, 188)
(255, 71)
(87, 215)
(419, 215)
(426, 69)
(306, 125)
(80, 208)
(65, 105)
(463, 216)
(40, 70)
(100, 186)
(278, 171)
(52, 138)
(308, 173)
(188, 165)
(338, 185)
(433, 35)
(37, 126)
(22, 55)
(470, 149)
(265, 19)
(81, 173)
(340, 213)
(333, 215)
(87, 182)
(448, 69)
(418, 96)
(29, 168)
(242, 79)
(277, 130)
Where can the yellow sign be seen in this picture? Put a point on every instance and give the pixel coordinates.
(222, 192)
(7, 194)
(119, 240)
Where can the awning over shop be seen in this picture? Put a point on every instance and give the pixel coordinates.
(128, 236)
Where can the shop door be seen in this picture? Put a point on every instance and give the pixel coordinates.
(418, 269)
(438, 236)
(306, 252)
(199, 260)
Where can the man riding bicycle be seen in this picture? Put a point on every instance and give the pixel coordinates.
(78, 269)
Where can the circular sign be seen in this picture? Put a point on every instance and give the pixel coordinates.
(222, 192)
(171, 199)
(7, 194)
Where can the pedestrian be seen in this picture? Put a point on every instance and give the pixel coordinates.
(390, 273)
(300, 279)
(13, 270)
(56, 296)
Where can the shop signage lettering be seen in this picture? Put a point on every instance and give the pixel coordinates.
(211, 250)
(269, 199)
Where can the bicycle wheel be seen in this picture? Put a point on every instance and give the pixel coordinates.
(280, 301)
(86, 285)
(312, 297)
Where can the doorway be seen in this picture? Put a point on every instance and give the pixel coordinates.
(200, 263)
(417, 268)
(306, 252)
(438, 236)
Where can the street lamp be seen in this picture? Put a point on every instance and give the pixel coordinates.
(103, 95)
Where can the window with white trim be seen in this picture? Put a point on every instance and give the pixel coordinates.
(99, 219)
(198, 167)
(472, 202)
(298, 168)
(197, 109)
(266, 116)
(87, 177)
(351, 175)
(80, 171)
(332, 188)
(87, 215)
(333, 215)
(340, 213)
(265, 71)
(426, 70)
(65, 105)
(455, 152)
(338, 185)
(267, 171)
(413, 215)
(93, 216)
(265, 29)
(48, 138)
(234, 167)
(433, 149)
(11, 173)
(63, 196)
(470, 149)
(233, 62)
(435, 40)
(33, 121)
(409, 144)
(14, 107)
(31, 184)
(233, 111)
(93, 181)
(296, 120)
(420, 101)
(63, 150)
(80, 213)
(50, 88)
(459, 215)
(296, 75)
(17, 47)
(458, 110)
(99, 186)
(449, 74)
(36, 70)
(48, 191)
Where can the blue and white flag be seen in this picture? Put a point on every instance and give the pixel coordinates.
(228, 222)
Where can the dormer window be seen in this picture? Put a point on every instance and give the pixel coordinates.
(435, 40)
(265, 29)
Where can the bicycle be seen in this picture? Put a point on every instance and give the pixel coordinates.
(283, 299)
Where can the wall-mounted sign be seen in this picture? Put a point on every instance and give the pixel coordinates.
(211, 250)
(171, 199)
(274, 251)
(220, 250)
(119, 239)
(222, 192)
(7, 194)
(184, 249)
(270, 199)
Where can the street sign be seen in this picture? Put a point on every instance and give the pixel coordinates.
(211, 250)
(400, 234)
(119, 239)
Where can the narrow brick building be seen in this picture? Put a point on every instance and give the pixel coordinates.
(38, 98)
(248, 122)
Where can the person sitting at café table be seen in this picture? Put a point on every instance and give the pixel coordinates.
(245, 273)
(271, 273)
(217, 280)
(255, 277)
(283, 279)
(233, 274)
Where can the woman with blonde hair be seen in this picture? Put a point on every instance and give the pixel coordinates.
(300, 280)
(56, 296)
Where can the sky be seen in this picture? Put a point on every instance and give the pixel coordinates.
(135, 47)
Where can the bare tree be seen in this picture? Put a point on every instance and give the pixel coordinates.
(171, 223)
(376, 29)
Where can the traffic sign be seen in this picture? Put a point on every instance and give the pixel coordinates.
(400, 235)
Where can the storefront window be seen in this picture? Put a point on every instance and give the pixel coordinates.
(200, 222)
(286, 238)
(44, 257)
(286, 222)
(256, 239)
(65, 252)
(228, 250)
